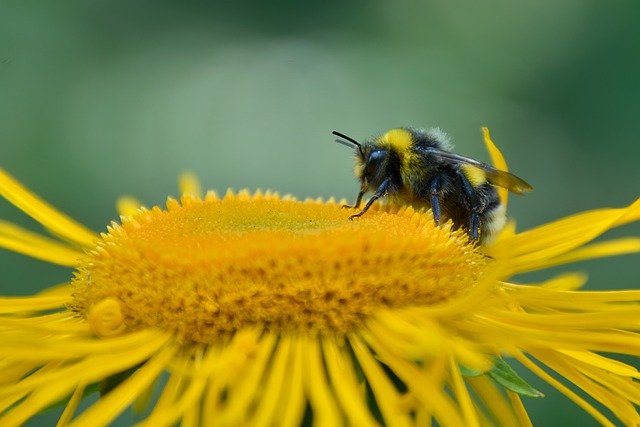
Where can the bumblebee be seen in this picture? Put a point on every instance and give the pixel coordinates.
(415, 166)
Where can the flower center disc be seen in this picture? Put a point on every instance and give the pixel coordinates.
(205, 269)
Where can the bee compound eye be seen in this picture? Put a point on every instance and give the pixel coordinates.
(374, 161)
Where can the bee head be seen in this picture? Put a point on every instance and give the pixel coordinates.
(362, 153)
(373, 167)
(370, 160)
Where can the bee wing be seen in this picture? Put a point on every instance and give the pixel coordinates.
(494, 176)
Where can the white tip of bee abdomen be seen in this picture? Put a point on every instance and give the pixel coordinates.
(493, 223)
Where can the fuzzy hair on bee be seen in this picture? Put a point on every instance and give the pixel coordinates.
(416, 166)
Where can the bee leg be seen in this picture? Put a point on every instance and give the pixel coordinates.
(474, 226)
(474, 215)
(381, 191)
(436, 187)
(356, 205)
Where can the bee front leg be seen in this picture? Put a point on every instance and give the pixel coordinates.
(381, 191)
(356, 205)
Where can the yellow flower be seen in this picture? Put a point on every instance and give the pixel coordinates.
(256, 309)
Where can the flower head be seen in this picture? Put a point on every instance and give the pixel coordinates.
(262, 260)
(266, 310)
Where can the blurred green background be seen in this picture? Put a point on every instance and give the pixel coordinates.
(100, 99)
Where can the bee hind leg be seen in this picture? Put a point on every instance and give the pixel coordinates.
(436, 189)
(474, 215)
(474, 226)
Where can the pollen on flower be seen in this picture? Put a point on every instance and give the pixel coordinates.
(204, 269)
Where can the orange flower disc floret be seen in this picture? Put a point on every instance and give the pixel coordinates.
(205, 269)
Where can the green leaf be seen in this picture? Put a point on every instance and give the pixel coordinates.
(109, 383)
(88, 391)
(467, 372)
(504, 375)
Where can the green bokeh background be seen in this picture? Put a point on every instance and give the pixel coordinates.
(100, 99)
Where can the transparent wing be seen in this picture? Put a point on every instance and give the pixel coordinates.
(494, 176)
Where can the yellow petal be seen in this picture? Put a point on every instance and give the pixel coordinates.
(498, 162)
(19, 240)
(535, 249)
(60, 224)
(190, 184)
(128, 206)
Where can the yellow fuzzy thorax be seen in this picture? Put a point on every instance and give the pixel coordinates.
(400, 141)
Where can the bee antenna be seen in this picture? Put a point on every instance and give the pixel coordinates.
(348, 138)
